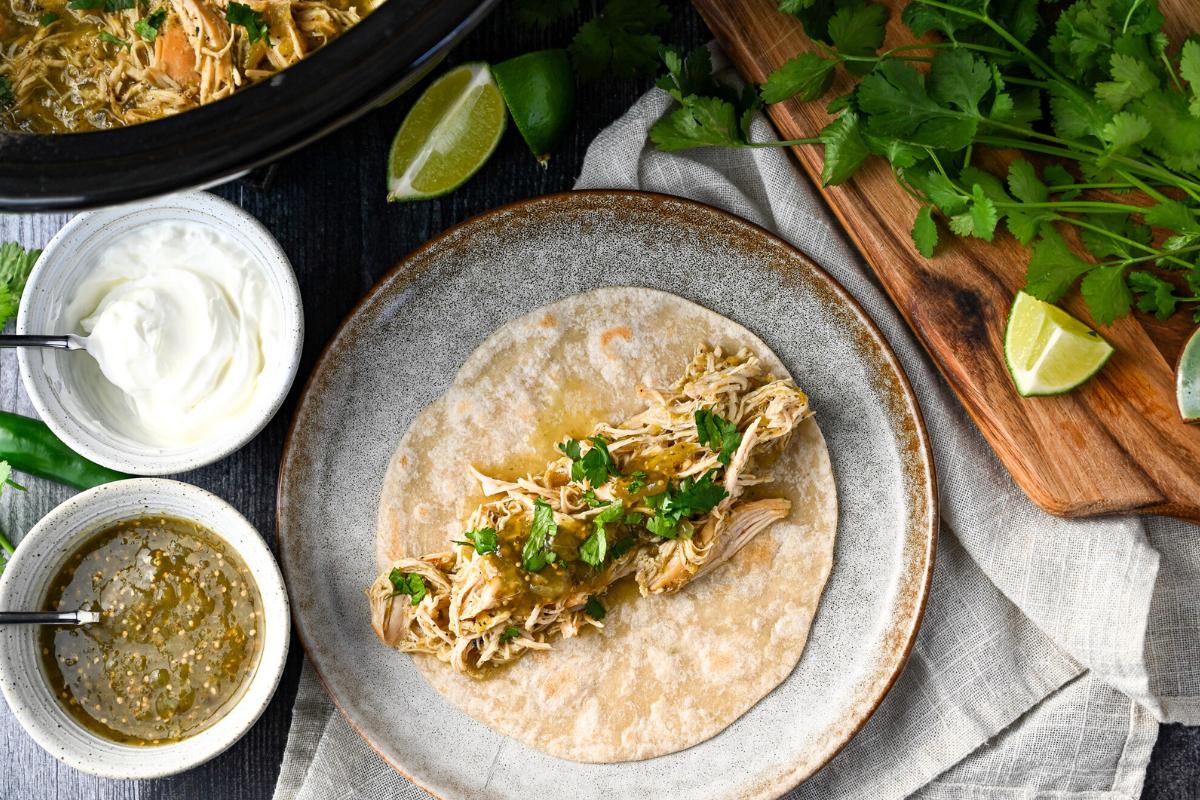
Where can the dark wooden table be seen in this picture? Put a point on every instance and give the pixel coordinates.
(326, 205)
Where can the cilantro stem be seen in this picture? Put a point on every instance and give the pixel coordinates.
(1116, 237)
(1095, 206)
(784, 143)
(6, 544)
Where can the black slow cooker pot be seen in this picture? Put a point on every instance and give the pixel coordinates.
(370, 64)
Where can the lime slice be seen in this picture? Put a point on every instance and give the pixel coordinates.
(448, 135)
(1049, 351)
(539, 89)
(1187, 380)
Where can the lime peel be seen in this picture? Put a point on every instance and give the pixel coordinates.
(1187, 380)
(1047, 350)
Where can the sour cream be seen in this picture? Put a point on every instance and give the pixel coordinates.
(184, 330)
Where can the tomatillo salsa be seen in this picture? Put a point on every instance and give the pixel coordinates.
(179, 635)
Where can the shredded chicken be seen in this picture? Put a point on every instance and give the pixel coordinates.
(482, 610)
(88, 69)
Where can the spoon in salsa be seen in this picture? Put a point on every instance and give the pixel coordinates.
(49, 617)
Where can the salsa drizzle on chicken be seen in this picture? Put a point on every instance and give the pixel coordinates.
(659, 497)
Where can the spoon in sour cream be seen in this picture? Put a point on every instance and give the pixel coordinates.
(68, 341)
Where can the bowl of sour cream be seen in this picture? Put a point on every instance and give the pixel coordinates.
(194, 330)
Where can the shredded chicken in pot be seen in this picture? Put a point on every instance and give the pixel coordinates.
(661, 497)
(94, 64)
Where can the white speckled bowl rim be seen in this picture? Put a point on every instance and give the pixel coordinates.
(399, 350)
(40, 555)
(47, 374)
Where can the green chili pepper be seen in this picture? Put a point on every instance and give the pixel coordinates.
(29, 446)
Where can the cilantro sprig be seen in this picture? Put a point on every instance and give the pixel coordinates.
(676, 504)
(15, 265)
(408, 583)
(255, 22)
(620, 40)
(595, 466)
(1119, 149)
(595, 548)
(537, 552)
(484, 540)
(719, 434)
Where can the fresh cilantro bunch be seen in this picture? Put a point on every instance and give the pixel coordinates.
(1104, 112)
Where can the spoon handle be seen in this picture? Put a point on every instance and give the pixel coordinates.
(67, 342)
(48, 617)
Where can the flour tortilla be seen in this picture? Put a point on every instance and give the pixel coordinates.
(667, 671)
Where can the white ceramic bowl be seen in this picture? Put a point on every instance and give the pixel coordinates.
(53, 377)
(38, 559)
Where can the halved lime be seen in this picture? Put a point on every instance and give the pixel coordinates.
(1187, 380)
(1048, 351)
(539, 89)
(448, 135)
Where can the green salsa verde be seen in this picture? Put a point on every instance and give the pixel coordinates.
(179, 636)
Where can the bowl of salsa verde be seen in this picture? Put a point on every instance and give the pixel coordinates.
(192, 636)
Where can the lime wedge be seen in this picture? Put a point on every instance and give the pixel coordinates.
(1187, 380)
(1048, 351)
(448, 135)
(539, 89)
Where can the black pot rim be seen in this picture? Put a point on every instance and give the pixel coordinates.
(371, 63)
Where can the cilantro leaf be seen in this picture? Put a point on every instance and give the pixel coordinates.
(253, 21)
(1053, 267)
(939, 190)
(15, 265)
(1131, 78)
(543, 13)
(638, 481)
(807, 75)
(1124, 131)
(595, 547)
(1172, 214)
(924, 232)
(541, 537)
(674, 505)
(1106, 293)
(108, 38)
(408, 583)
(979, 219)
(845, 148)
(701, 122)
(1024, 183)
(857, 30)
(149, 26)
(1154, 295)
(1189, 68)
(570, 449)
(509, 633)
(718, 434)
(898, 105)
(594, 608)
(484, 540)
(619, 41)
(595, 466)
(48, 19)
(959, 79)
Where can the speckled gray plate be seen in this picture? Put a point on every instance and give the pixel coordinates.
(400, 349)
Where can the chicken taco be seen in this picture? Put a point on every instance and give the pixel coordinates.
(609, 537)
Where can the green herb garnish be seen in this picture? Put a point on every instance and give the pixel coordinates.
(594, 608)
(639, 480)
(596, 465)
(7, 98)
(536, 552)
(408, 583)
(509, 633)
(592, 501)
(675, 505)
(48, 19)
(108, 38)
(484, 540)
(148, 27)
(595, 547)
(253, 21)
(719, 434)
(15, 265)
(6, 480)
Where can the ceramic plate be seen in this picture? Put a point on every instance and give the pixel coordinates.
(400, 349)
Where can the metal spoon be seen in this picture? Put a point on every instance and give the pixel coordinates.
(69, 341)
(49, 617)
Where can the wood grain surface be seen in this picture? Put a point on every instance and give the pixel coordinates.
(1116, 444)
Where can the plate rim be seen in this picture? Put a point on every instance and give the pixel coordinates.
(929, 487)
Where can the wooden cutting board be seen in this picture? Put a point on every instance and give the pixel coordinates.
(1116, 444)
